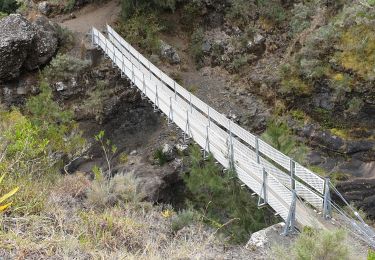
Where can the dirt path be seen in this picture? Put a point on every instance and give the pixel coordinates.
(93, 15)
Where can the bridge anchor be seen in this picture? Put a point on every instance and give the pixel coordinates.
(291, 220)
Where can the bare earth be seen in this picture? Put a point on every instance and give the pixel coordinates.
(93, 15)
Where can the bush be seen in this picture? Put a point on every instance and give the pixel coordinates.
(63, 67)
(221, 199)
(317, 244)
(185, 218)
(272, 10)
(131, 7)
(242, 13)
(302, 14)
(356, 55)
(280, 136)
(196, 46)
(8, 6)
(142, 30)
(106, 192)
(54, 124)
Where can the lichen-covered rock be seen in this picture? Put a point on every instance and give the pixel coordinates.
(44, 8)
(25, 45)
(45, 43)
(17, 35)
(169, 53)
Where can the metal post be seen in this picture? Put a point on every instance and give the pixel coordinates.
(327, 208)
(187, 126)
(207, 146)
(170, 116)
(257, 149)
(263, 191)
(149, 69)
(290, 221)
(292, 173)
(230, 148)
(209, 117)
(123, 70)
(92, 36)
(132, 79)
(191, 106)
(174, 87)
(156, 104)
(144, 85)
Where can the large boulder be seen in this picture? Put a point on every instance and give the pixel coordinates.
(45, 43)
(17, 35)
(25, 45)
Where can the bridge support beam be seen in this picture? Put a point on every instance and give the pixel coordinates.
(263, 192)
(327, 208)
(291, 220)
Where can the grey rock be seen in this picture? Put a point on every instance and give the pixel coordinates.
(169, 152)
(60, 86)
(169, 53)
(17, 35)
(206, 47)
(25, 45)
(257, 45)
(44, 8)
(264, 238)
(45, 43)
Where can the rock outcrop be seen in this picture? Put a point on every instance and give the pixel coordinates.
(25, 45)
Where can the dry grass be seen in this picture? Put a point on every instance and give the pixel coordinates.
(69, 227)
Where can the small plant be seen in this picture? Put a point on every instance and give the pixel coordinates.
(6, 196)
(108, 149)
(106, 191)
(371, 253)
(185, 218)
(160, 156)
(64, 67)
(354, 106)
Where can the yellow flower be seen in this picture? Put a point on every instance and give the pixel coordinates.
(167, 213)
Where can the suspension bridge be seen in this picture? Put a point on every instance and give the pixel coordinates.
(299, 196)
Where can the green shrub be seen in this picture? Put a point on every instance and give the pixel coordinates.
(316, 244)
(66, 39)
(8, 6)
(280, 136)
(142, 30)
(2, 15)
(54, 124)
(355, 105)
(242, 13)
(371, 253)
(301, 16)
(185, 218)
(131, 7)
(272, 10)
(221, 199)
(196, 46)
(63, 67)
(69, 6)
(190, 16)
(160, 156)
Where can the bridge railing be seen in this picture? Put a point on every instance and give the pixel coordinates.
(309, 186)
(213, 132)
